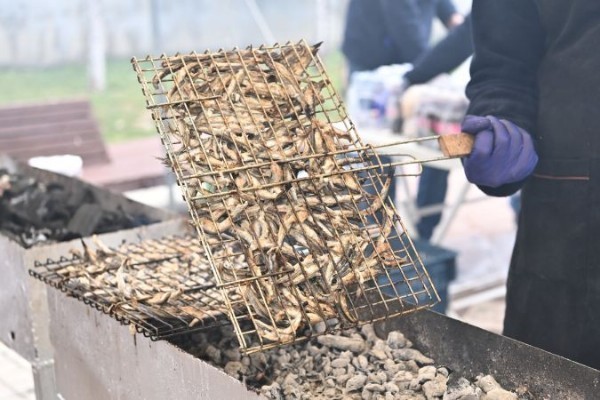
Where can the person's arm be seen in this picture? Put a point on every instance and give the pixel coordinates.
(446, 12)
(448, 54)
(509, 43)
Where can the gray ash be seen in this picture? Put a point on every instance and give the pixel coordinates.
(34, 212)
(355, 364)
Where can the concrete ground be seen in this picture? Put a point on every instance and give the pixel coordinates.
(482, 233)
(16, 381)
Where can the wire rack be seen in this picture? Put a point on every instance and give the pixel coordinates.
(272, 168)
(159, 287)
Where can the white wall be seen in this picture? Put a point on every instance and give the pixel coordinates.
(46, 32)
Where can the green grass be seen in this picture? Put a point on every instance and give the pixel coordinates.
(336, 69)
(120, 109)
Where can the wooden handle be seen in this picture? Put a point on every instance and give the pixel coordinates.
(458, 145)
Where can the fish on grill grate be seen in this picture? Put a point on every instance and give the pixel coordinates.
(296, 198)
(160, 286)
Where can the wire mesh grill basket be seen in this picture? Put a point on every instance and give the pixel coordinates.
(273, 171)
(161, 287)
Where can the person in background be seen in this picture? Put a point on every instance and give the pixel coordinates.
(387, 32)
(444, 57)
(534, 96)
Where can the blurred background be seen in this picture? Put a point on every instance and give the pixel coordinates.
(67, 48)
(54, 50)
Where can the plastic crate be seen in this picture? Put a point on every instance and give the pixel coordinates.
(441, 266)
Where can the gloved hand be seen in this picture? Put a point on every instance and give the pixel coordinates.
(502, 153)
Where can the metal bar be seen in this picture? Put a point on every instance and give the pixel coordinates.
(368, 148)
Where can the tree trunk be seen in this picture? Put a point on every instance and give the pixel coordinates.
(96, 46)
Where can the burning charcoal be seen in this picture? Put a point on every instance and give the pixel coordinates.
(412, 366)
(213, 354)
(493, 390)
(414, 385)
(272, 391)
(381, 350)
(368, 333)
(412, 396)
(463, 391)
(313, 350)
(363, 362)
(340, 363)
(366, 395)
(391, 368)
(284, 359)
(233, 368)
(232, 354)
(356, 383)
(374, 387)
(396, 340)
(426, 373)
(342, 379)
(378, 354)
(342, 343)
(321, 371)
(381, 377)
(347, 354)
(435, 388)
(412, 354)
(391, 387)
(327, 369)
(258, 360)
(523, 393)
(351, 370)
(403, 376)
(320, 327)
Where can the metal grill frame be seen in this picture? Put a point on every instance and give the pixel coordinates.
(155, 321)
(329, 109)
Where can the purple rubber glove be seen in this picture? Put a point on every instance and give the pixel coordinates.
(502, 153)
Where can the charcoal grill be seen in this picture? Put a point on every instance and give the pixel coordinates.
(290, 206)
(23, 301)
(118, 365)
(300, 237)
(160, 287)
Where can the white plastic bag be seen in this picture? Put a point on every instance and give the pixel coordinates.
(68, 164)
(372, 96)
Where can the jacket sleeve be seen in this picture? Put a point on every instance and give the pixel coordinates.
(508, 40)
(448, 54)
(445, 9)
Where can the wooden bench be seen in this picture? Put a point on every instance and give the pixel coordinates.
(69, 127)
